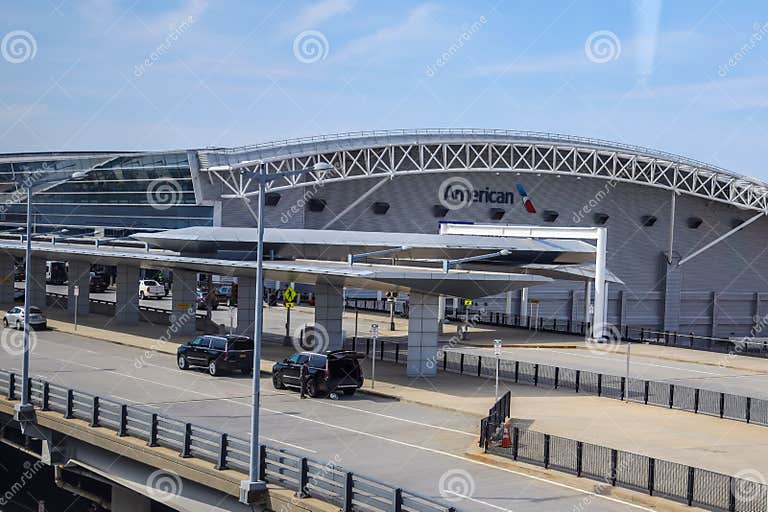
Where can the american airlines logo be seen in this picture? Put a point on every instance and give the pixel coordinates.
(457, 192)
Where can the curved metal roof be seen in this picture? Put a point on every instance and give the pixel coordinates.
(391, 152)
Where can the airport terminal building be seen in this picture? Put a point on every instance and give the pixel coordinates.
(687, 239)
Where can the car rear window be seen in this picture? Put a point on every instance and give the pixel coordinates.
(150, 283)
(36, 311)
(317, 361)
(241, 344)
(347, 366)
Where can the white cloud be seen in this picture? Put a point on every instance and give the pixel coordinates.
(317, 13)
(416, 25)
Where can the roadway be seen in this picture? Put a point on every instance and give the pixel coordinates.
(405, 444)
(717, 372)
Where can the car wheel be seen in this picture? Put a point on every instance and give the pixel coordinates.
(141, 295)
(312, 389)
(5, 322)
(349, 392)
(183, 363)
(213, 369)
(18, 326)
(247, 371)
(277, 382)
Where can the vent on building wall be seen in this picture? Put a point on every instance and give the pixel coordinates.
(601, 218)
(550, 215)
(380, 208)
(271, 199)
(439, 211)
(497, 213)
(648, 220)
(316, 205)
(694, 222)
(736, 223)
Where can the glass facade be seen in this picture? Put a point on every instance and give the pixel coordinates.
(120, 194)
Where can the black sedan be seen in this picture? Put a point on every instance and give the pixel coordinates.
(218, 354)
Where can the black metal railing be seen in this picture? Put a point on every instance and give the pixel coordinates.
(672, 396)
(617, 468)
(309, 478)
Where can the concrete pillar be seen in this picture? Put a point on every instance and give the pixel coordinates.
(622, 308)
(78, 274)
(246, 306)
(598, 324)
(523, 305)
(673, 279)
(127, 295)
(715, 314)
(587, 302)
(508, 305)
(184, 302)
(329, 307)
(455, 306)
(422, 335)
(7, 272)
(574, 310)
(126, 500)
(37, 283)
(441, 308)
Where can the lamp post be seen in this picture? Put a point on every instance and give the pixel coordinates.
(254, 483)
(25, 409)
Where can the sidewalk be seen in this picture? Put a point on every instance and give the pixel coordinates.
(711, 443)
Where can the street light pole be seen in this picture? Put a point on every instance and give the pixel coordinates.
(25, 409)
(254, 484)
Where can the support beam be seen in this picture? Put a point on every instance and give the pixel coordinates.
(78, 274)
(329, 308)
(587, 302)
(183, 291)
(673, 279)
(7, 273)
(126, 500)
(721, 238)
(422, 335)
(127, 295)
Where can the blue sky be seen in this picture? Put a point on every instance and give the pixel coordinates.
(686, 77)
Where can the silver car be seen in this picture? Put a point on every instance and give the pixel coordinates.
(15, 318)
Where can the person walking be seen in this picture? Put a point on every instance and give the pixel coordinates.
(304, 377)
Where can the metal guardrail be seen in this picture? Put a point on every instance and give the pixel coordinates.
(617, 468)
(310, 478)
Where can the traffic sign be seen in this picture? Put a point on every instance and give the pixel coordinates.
(497, 347)
(374, 330)
(467, 302)
(76, 290)
(290, 305)
(534, 301)
(289, 294)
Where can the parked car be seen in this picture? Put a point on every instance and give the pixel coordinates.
(15, 318)
(96, 283)
(329, 372)
(151, 289)
(217, 353)
(201, 302)
(224, 292)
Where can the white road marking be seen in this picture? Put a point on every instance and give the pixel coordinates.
(462, 458)
(310, 450)
(481, 502)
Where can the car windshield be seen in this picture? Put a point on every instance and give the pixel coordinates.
(150, 283)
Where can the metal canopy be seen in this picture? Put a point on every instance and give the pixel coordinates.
(461, 283)
(336, 245)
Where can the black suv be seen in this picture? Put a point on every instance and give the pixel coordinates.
(330, 372)
(218, 354)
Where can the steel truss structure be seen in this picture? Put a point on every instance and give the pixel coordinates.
(388, 154)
